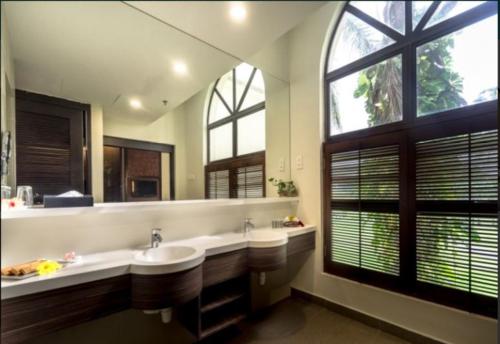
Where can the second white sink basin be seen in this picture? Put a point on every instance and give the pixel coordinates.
(266, 238)
(166, 259)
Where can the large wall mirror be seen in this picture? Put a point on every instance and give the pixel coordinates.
(112, 99)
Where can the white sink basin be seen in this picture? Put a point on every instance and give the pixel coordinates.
(266, 238)
(165, 254)
(166, 259)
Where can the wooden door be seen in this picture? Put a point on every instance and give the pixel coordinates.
(50, 144)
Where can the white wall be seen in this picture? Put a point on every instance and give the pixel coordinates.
(7, 101)
(97, 151)
(273, 58)
(307, 53)
(195, 136)
(165, 176)
(277, 130)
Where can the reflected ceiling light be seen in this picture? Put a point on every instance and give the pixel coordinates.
(180, 68)
(238, 12)
(135, 103)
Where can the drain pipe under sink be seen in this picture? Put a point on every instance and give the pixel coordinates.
(262, 278)
(166, 314)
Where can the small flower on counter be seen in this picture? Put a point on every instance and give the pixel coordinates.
(48, 267)
(12, 203)
(70, 256)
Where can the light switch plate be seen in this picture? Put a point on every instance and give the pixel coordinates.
(282, 164)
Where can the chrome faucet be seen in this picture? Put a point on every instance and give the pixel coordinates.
(247, 225)
(155, 237)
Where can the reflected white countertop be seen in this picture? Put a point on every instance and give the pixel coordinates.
(102, 265)
(103, 208)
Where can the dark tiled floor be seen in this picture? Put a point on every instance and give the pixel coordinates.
(298, 321)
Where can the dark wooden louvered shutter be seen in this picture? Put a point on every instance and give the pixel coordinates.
(218, 184)
(49, 143)
(365, 208)
(242, 177)
(456, 220)
(250, 181)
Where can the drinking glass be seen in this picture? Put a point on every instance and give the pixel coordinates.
(25, 193)
(5, 192)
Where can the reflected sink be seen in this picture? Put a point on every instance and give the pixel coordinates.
(166, 259)
(266, 238)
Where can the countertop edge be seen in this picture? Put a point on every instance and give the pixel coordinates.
(108, 208)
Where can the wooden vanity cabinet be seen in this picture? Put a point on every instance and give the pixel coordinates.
(225, 266)
(267, 258)
(211, 297)
(301, 243)
(33, 315)
(225, 298)
(151, 292)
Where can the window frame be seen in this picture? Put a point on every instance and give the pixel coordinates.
(235, 161)
(234, 116)
(406, 132)
(406, 46)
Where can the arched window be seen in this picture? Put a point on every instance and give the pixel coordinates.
(411, 177)
(236, 135)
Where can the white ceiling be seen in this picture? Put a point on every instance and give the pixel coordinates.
(109, 52)
(210, 21)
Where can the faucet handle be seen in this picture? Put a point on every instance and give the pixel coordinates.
(156, 231)
(248, 222)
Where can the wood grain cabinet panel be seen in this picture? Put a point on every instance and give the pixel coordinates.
(161, 291)
(267, 259)
(301, 243)
(33, 315)
(225, 266)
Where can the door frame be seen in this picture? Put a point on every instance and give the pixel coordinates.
(147, 145)
(87, 127)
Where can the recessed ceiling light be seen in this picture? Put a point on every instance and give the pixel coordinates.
(180, 68)
(135, 103)
(238, 12)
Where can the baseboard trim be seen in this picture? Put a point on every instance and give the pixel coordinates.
(385, 326)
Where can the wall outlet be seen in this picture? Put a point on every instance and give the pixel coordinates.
(282, 164)
(299, 162)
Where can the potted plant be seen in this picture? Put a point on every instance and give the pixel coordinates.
(284, 188)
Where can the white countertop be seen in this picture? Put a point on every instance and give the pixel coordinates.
(115, 263)
(100, 208)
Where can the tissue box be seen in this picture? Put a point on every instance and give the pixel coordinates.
(65, 202)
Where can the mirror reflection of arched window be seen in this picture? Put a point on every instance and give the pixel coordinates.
(411, 155)
(236, 135)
